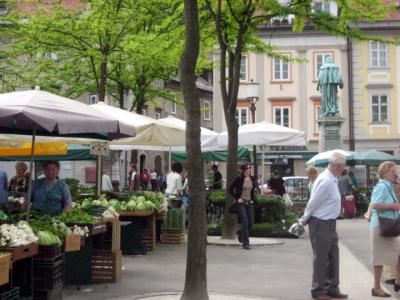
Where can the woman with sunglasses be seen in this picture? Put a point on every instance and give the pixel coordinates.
(242, 190)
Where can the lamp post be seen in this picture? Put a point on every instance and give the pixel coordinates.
(252, 97)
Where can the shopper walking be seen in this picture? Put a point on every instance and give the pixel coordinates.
(242, 190)
(320, 214)
(384, 250)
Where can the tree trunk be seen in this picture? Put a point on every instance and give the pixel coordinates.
(103, 80)
(230, 220)
(196, 264)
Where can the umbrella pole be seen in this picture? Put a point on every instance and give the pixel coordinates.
(262, 169)
(169, 159)
(98, 176)
(28, 199)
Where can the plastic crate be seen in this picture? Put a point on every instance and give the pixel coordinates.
(175, 220)
(53, 294)
(11, 294)
(48, 273)
(49, 252)
(106, 266)
(78, 265)
(22, 277)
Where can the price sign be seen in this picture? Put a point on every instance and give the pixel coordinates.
(100, 148)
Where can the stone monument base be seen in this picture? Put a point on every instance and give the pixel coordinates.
(330, 137)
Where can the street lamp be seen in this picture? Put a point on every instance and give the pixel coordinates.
(252, 96)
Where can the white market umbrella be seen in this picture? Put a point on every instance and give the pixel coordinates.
(166, 133)
(322, 159)
(141, 123)
(36, 112)
(264, 133)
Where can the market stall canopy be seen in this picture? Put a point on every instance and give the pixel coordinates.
(322, 159)
(166, 133)
(50, 114)
(142, 124)
(45, 139)
(367, 158)
(243, 154)
(264, 133)
(372, 158)
(25, 149)
(74, 152)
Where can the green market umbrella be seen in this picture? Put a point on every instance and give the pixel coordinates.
(372, 158)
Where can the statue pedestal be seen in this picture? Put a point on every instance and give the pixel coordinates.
(329, 137)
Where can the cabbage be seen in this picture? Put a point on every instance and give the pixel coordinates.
(141, 199)
(131, 205)
(140, 206)
(96, 202)
(47, 238)
(149, 205)
(104, 202)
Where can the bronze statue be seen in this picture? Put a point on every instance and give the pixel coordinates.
(328, 80)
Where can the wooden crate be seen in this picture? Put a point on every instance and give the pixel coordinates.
(72, 242)
(115, 235)
(172, 236)
(94, 229)
(5, 268)
(106, 266)
(22, 252)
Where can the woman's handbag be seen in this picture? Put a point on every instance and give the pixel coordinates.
(234, 208)
(389, 227)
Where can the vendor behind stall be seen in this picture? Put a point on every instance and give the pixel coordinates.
(20, 182)
(50, 194)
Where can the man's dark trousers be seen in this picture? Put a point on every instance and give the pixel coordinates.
(246, 216)
(324, 242)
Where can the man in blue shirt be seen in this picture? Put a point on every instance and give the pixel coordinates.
(320, 215)
(3, 187)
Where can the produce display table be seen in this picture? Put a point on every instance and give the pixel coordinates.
(147, 222)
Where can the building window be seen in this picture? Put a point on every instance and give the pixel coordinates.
(379, 106)
(282, 116)
(173, 108)
(207, 110)
(93, 99)
(323, 7)
(244, 68)
(280, 70)
(378, 54)
(319, 60)
(241, 115)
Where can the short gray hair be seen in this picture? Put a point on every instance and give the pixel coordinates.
(336, 159)
(22, 165)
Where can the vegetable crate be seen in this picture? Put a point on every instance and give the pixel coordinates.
(97, 228)
(149, 233)
(11, 294)
(5, 269)
(111, 240)
(22, 277)
(72, 242)
(53, 294)
(172, 236)
(78, 265)
(106, 266)
(22, 252)
(52, 251)
(176, 219)
(48, 273)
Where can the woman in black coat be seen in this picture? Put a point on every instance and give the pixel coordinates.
(242, 190)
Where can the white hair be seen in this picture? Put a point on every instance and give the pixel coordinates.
(337, 158)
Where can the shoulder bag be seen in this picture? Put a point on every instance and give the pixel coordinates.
(389, 227)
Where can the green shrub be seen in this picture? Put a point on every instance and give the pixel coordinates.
(273, 209)
(218, 196)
